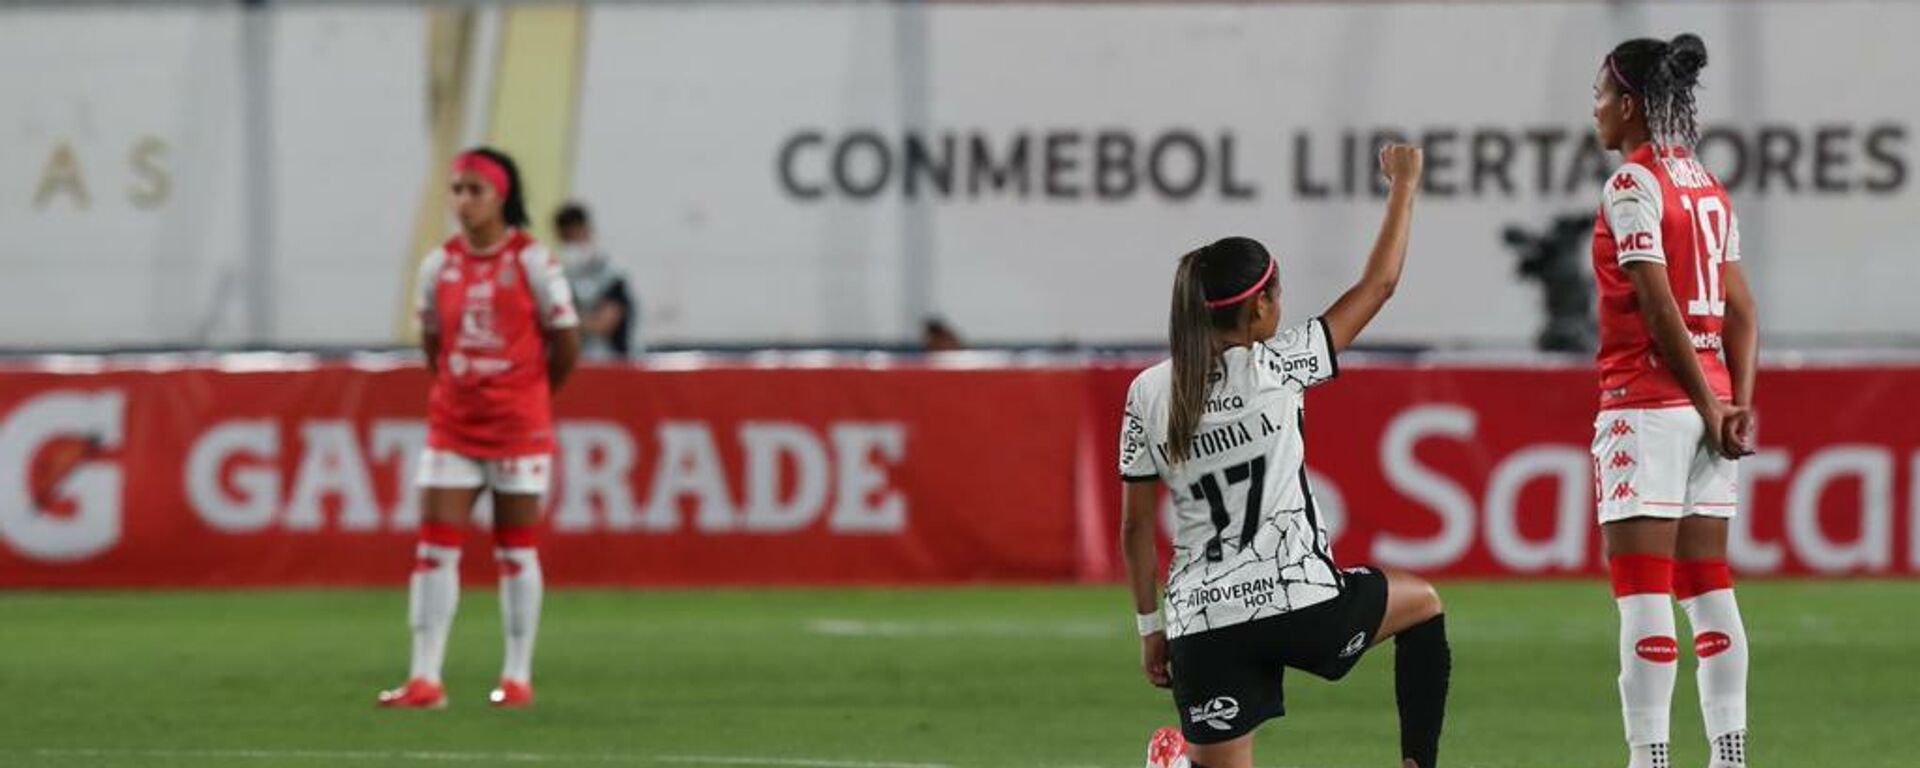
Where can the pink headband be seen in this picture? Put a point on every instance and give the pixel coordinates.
(486, 168)
(1614, 70)
(1251, 290)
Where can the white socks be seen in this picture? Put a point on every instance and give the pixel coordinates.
(1648, 665)
(1705, 589)
(1729, 750)
(1643, 588)
(1649, 756)
(1648, 654)
(433, 594)
(520, 591)
(1720, 640)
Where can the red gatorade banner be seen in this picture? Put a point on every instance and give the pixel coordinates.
(735, 476)
(200, 476)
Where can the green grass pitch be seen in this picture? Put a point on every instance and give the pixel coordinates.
(881, 678)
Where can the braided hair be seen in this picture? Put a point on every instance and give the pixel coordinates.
(1662, 74)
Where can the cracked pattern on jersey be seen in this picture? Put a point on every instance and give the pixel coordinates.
(1248, 541)
(1285, 569)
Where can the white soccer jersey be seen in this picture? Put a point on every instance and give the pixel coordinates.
(1248, 542)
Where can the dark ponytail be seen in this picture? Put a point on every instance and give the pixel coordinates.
(1192, 341)
(1223, 269)
(1663, 75)
(514, 209)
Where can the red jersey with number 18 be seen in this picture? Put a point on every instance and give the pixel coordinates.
(1664, 208)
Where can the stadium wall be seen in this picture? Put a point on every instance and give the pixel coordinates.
(1028, 171)
(270, 471)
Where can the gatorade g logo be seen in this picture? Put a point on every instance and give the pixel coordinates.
(1709, 644)
(1659, 650)
(59, 496)
(1218, 713)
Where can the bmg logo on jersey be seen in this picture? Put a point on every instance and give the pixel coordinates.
(1303, 362)
(1218, 713)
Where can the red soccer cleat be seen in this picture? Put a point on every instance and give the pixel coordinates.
(1166, 749)
(418, 693)
(512, 693)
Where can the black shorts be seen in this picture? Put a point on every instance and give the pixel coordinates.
(1227, 681)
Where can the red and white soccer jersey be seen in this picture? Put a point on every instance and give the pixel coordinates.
(1649, 453)
(491, 310)
(1668, 210)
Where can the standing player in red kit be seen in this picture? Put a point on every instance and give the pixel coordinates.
(498, 326)
(1674, 416)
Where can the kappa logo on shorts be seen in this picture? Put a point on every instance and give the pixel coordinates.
(1623, 491)
(1622, 459)
(1218, 713)
(1354, 646)
(1620, 427)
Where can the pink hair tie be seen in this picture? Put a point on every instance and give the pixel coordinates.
(1251, 290)
(484, 167)
(1614, 70)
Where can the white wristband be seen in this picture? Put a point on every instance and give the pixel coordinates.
(1149, 623)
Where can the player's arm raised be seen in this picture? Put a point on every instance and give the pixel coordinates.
(1138, 503)
(1354, 309)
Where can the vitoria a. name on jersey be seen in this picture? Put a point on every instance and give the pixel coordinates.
(1248, 542)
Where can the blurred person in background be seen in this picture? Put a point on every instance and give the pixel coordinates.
(937, 336)
(497, 324)
(607, 306)
(1674, 417)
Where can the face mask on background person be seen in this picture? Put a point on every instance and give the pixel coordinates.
(578, 257)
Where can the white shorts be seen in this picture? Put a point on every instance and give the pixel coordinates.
(518, 474)
(1654, 462)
